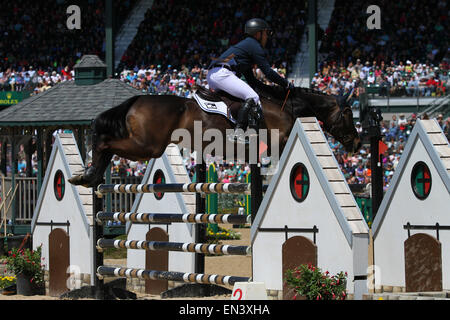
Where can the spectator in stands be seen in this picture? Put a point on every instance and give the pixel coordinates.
(413, 87)
(430, 87)
(446, 128)
(440, 120)
(393, 130)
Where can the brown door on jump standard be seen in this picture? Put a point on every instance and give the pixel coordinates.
(59, 261)
(156, 260)
(296, 251)
(423, 263)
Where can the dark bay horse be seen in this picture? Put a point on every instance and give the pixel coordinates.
(141, 127)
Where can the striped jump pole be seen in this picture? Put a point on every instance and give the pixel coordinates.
(175, 246)
(235, 188)
(170, 275)
(172, 217)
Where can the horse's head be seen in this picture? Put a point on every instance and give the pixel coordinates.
(333, 111)
(345, 132)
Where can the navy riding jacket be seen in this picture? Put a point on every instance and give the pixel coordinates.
(247, 53)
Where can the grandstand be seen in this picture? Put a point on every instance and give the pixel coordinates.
(165, 46)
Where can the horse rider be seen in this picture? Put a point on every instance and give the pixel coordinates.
(225, 72)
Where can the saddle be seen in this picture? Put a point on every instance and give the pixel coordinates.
(219, 102)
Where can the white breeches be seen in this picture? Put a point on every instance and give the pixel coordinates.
(223, 79)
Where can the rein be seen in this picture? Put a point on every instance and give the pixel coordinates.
(331, 128)
(285, 99)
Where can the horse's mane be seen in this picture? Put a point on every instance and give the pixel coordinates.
(279, 93)
(113, 121)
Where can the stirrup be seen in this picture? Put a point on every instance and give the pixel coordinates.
(239, 137)
(243, 139)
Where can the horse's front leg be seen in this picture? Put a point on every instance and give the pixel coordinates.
(93, 175)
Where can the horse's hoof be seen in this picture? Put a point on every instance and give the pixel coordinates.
(74, 180)
(77, 180)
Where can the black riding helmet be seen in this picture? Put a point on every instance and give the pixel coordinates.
(254, 25)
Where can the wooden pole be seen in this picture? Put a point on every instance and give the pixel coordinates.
(200, 206)
(7, 207)
(109, 38)
(3, 202)
(312, 38)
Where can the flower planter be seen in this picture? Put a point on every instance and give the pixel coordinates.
(24, 285)
(10, 290)
(26, 265)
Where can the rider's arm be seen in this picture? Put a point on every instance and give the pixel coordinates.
(260, 59)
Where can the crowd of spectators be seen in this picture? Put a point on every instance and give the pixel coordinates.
(34, 36)
(175, 42)
(29, 79)
(155, 80)
(182, 82)
(414, 28)
(392, 79)
(407, 56)
(121, 167)
(190, 32)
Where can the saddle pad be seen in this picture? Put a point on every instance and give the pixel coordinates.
(213, 107)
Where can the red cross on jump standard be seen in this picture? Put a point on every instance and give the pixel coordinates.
(299, 182)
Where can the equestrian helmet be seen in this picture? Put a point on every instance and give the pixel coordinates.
(254, 25)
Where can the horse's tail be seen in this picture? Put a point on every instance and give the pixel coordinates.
(113, 121)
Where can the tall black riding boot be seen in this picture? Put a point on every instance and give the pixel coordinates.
(255, 117)
(242, 121)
